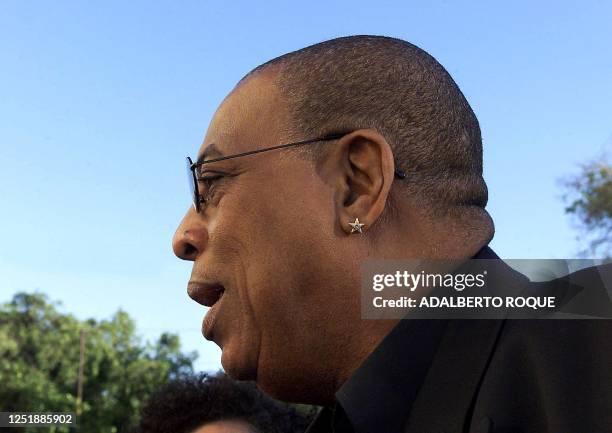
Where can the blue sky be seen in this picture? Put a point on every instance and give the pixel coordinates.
(100, 102)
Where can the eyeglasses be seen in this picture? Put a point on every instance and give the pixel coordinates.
(192, 166)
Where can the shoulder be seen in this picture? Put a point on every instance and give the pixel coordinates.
(578, 339)
(553, 374)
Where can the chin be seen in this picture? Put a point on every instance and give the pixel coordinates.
(237, 364)
(286, 388)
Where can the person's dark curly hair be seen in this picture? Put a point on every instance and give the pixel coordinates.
(186, 404)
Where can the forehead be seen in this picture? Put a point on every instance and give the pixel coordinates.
(252, 116)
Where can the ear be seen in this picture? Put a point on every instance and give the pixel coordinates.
(364, 171)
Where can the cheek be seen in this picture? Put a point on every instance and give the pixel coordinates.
(277, 244)
(290, 239)
(291, 246)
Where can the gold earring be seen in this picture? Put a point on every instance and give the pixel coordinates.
(356, 226)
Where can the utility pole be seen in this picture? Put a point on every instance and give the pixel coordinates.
(79, 402)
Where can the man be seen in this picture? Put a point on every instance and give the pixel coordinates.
(384, 161)
(216, 404)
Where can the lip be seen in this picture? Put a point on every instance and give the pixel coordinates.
(209, 295)
(204, 293)
(208, 324)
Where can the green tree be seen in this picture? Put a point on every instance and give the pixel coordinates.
(39, 364)
(589, 197)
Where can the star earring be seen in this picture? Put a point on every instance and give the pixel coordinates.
(356, 226)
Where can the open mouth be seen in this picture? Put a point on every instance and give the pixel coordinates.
(209, 295)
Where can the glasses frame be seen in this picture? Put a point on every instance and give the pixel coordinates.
(191, 166)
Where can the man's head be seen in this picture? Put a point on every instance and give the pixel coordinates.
(272, 247)
(216, 404)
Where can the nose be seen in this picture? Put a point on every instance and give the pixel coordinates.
(190, 237)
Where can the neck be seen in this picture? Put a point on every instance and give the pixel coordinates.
(339, 363)
(419, 236)
(371, 334)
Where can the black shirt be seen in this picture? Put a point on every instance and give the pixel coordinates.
(489, 375)
(379, 395)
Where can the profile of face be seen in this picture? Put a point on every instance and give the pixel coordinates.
(271, 243)
(271, 249)
(225, 426)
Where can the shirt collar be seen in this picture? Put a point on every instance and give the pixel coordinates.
(379, 395)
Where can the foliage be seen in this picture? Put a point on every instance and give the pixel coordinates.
(39, 364)
(590, 200)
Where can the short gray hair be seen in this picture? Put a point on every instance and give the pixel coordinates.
(402, 92)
